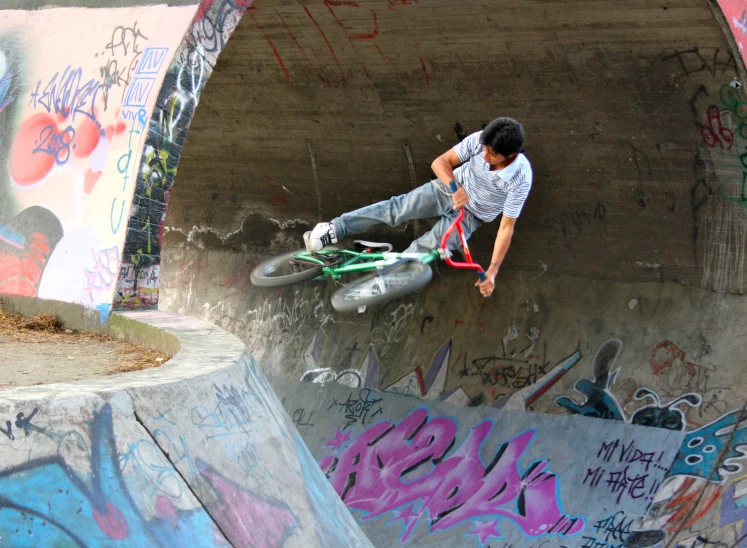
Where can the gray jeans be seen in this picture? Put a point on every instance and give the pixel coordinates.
(421, 203)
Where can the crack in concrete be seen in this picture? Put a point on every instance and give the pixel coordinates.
(194, 493)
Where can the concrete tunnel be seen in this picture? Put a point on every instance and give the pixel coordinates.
(621, 298)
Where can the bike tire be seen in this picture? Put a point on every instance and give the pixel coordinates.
(278, 272)
(399, 280)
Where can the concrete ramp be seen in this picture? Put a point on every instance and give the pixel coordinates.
(196, 453)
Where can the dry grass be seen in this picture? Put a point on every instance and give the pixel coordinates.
(37, 328)
(135, 358)
(46, 328)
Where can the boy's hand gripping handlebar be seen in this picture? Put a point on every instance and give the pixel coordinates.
(457, 225)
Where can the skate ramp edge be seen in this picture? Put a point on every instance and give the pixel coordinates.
(198, 452)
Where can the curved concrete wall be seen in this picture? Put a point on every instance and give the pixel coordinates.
(198, 452)
(78, 86)
(634, 231)
(91, 141)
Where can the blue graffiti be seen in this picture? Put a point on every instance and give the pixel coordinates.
(4, 87)
(703, 449)
(11, 237)
(67, 95)
(45, 502)
(598, 401)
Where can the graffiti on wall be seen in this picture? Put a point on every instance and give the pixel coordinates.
(72, 127)
(70, 507)
(735, 14)
(708, 457)
(423, 381)
(104, 485)
(719, 230)
(164, 138)
(361, 26)
(412, 470)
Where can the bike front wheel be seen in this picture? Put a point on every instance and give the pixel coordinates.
(375, 289)
(283, 270)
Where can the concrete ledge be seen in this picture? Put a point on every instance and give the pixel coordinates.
(71, 315)
(76, 316)
(198, 452)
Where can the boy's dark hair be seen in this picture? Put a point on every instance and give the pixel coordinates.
(504, 135)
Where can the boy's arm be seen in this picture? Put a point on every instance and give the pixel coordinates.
(443, 167)
(502, 241)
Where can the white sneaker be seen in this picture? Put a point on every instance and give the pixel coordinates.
(322, 235)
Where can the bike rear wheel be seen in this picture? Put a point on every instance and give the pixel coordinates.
(375, 289)
(283, 270)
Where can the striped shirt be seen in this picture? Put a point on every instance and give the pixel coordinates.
(491, 192)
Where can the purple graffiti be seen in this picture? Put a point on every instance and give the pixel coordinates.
(392, 465)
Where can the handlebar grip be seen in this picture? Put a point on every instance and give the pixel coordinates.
(482, 276)
(453, 186)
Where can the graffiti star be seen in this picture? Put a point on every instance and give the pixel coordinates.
(406, 515)
(486, 529)
(339, 440)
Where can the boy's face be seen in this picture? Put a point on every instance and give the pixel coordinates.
(493, 158)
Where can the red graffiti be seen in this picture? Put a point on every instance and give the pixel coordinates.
(360, 25)
(87, 138)
(390, 465)
(39, 144)
(22, 272)
(132, 297)
(665, 355)
(26, 167)
(342, 78)
(689, 504)
(112, 522)
(359, 36)
(713, 131)
(269, 41)
(278, 202)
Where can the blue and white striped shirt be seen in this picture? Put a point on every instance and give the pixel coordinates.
(492, 192)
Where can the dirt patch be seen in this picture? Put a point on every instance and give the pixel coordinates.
(38, 350)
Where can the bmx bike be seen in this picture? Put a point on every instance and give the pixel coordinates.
(389, 275)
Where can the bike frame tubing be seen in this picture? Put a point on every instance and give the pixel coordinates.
(470, 264)
(376, 260)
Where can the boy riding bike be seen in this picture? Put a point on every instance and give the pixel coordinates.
(494, 177)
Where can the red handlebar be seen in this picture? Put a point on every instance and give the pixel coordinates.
(470, 265)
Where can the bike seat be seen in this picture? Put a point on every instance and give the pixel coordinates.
(361, 245)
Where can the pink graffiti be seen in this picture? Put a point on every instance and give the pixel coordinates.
(111, 521)
(388, 466)
(247, 518)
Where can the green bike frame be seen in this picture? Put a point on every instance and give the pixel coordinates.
(363, 261)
